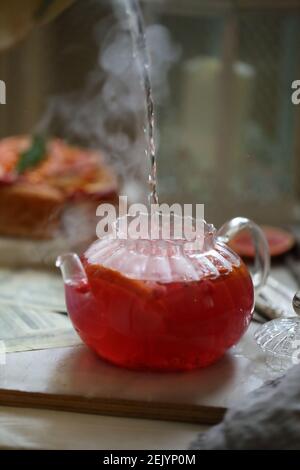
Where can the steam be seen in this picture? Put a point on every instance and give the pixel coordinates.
(109, 112)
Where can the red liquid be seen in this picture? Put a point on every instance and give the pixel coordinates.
(174, 326)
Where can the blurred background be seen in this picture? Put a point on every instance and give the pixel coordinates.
(228, 132)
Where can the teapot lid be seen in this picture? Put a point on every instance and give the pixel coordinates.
(170, 257)
(280, 339)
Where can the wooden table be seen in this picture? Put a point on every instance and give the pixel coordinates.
(74, 379)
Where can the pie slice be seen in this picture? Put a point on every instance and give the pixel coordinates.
(43, 182)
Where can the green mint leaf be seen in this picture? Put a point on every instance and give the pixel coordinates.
(33, 156)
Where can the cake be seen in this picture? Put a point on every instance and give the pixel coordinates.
(49, 192)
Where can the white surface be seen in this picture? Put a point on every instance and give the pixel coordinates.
(40, 429)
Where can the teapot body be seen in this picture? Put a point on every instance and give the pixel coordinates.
(165, 325)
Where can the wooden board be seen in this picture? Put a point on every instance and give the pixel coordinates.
(113, 407)
(75, 379)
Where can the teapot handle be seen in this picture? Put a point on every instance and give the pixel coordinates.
(261, 267)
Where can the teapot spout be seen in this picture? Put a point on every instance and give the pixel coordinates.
(71, 268)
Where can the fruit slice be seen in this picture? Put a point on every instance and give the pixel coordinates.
(98, 275)
(280, 241)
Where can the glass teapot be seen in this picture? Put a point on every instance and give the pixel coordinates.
(164, 304)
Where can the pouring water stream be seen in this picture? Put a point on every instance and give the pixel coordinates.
(137, 31)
